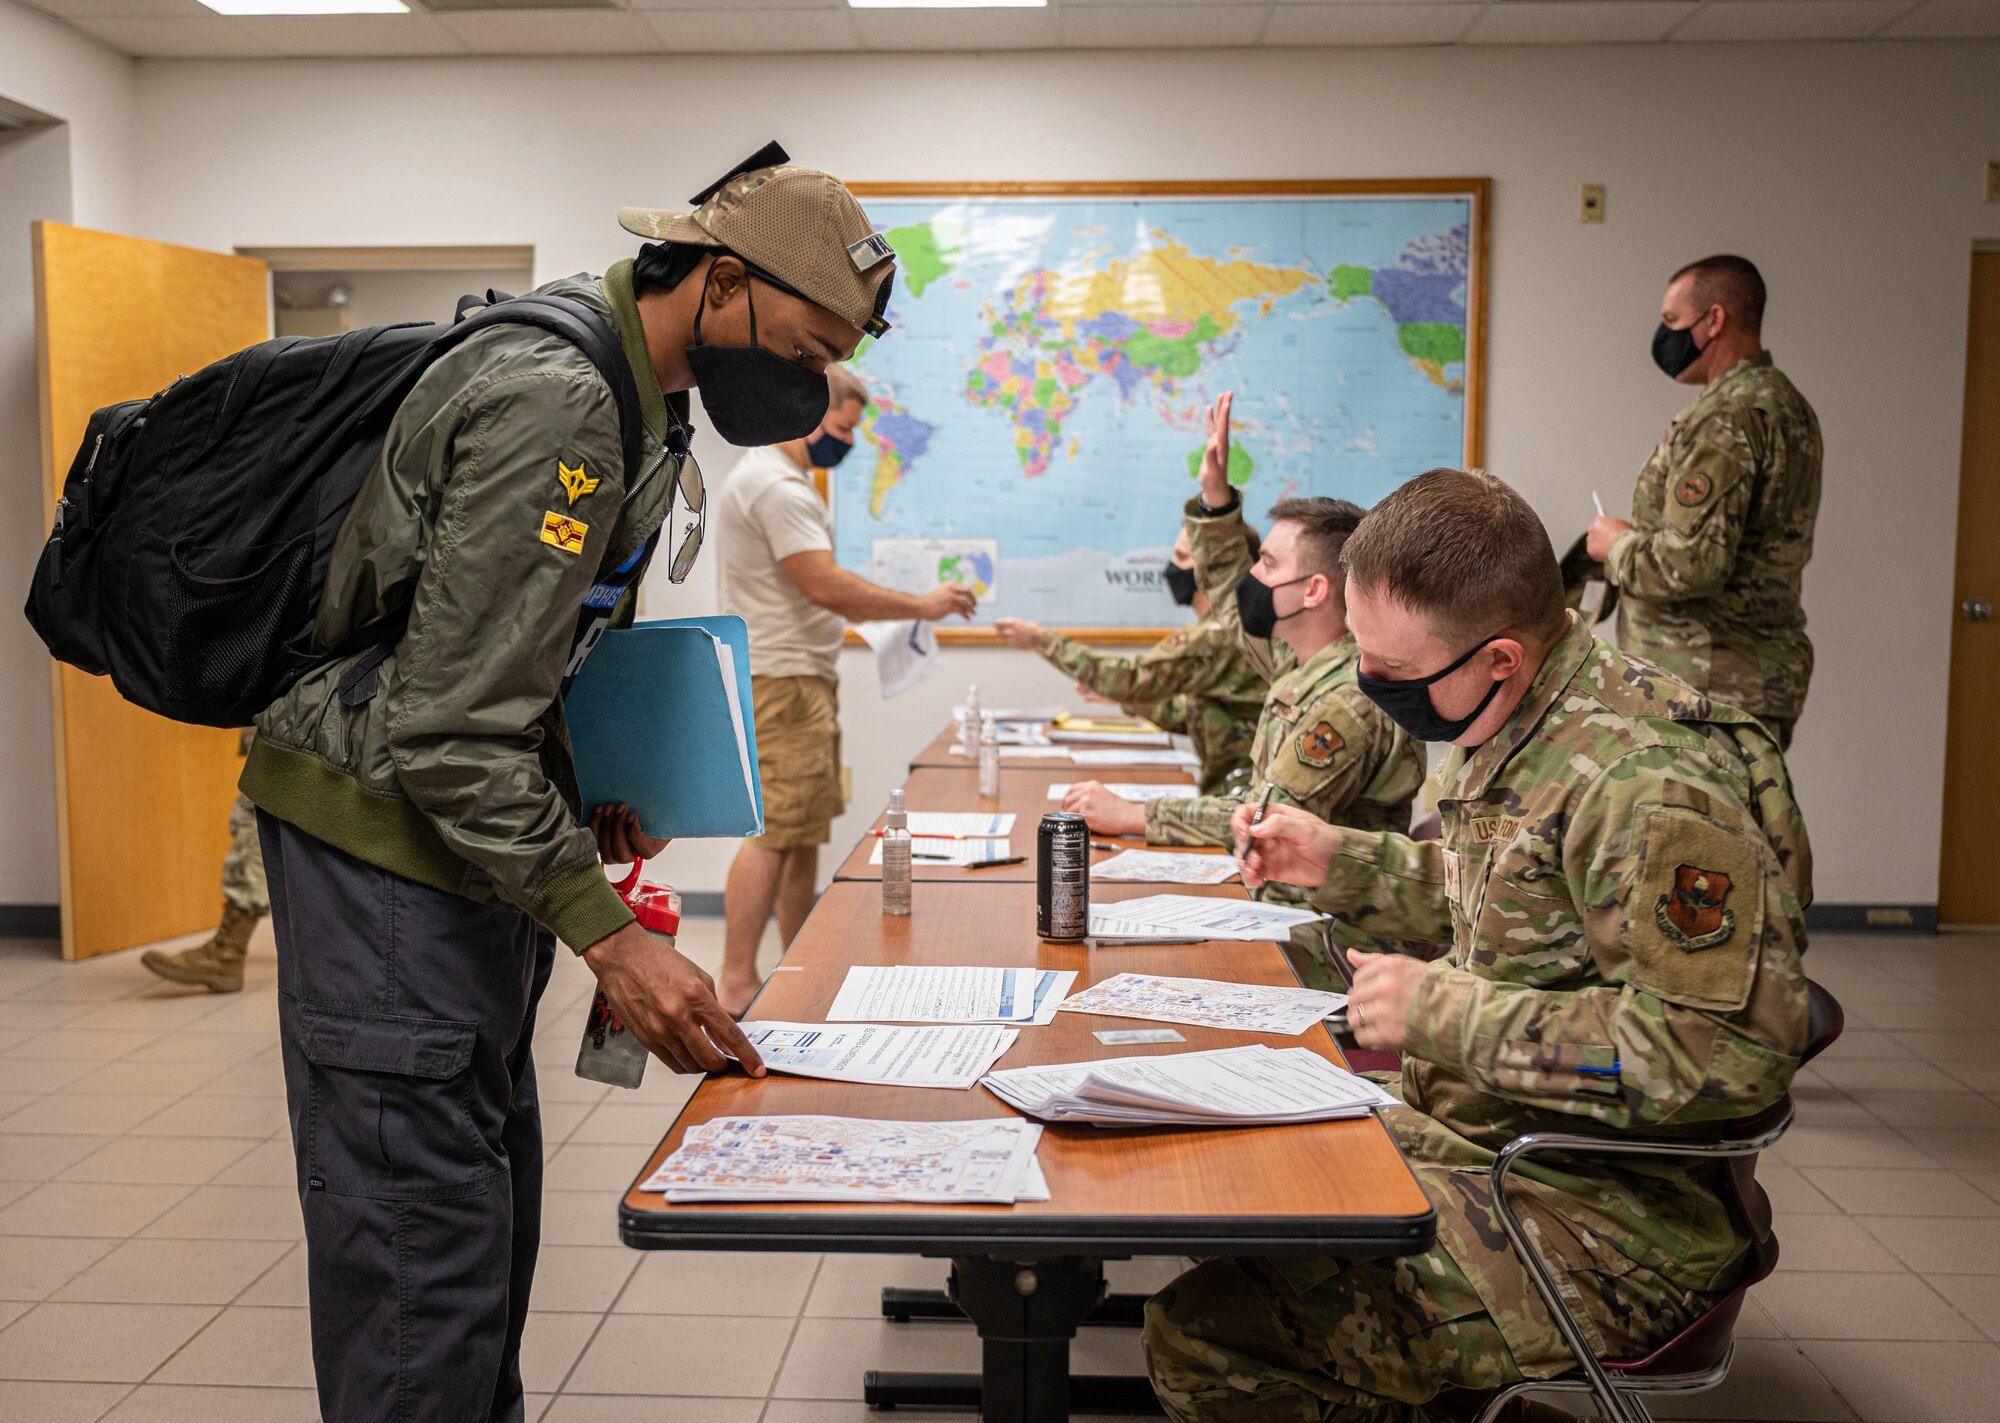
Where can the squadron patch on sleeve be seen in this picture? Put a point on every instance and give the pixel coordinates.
(563, 532)
(575, 482)
(1692, 489)
(1694, 913)
(1318, 743)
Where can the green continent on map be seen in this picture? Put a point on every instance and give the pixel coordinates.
(925, 251)
(1421, 294)
(1241, 466)
(1146, 323)
(1345, 283)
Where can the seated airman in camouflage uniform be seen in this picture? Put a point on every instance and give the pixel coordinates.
(1621, 879)
(1194, 680)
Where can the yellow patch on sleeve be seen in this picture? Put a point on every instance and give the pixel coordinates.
(563, 532)
(575, 482)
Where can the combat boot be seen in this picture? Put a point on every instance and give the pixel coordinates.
(216, 965)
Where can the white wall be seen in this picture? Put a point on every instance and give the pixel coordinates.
(1852, 173)
(79, 171)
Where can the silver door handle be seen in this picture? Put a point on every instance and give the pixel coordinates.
(1976, 610)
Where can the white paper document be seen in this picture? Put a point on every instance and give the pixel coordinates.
(1244, 1086)
(1112, 738)
(1137, 756)
(927, 851)
(1189, 916)
(906, 653)
(1165, 867)
(1208, 1003)
(960, 824)
(873, 1052)
(1043, 715)
(816, 1158)
(1024, 753)
(1131, 790)
(956, 993)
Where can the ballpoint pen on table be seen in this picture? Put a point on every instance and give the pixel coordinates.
(1243, 849)
(989, 864)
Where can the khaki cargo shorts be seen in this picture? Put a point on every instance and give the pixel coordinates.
(798, 759)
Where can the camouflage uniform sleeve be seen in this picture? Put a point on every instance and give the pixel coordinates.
(1195, 820)
(1169, 715)
(1188, 660)
(1388, 886)
(1708, 494)
(1692, 927)
(1329, 757)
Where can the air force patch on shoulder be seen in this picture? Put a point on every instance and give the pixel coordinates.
(563, 532)
(1318, 743)
(1692, 914)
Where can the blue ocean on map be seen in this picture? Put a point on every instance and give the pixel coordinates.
(1051, 361)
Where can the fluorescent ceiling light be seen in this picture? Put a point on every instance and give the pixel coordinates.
(948, 4)
(307, 7)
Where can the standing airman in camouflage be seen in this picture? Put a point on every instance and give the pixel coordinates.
(217, 965)
(1710, 563)
(1621, 879)
(1194, 680)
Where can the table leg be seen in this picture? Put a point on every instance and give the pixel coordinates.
(903, 1305)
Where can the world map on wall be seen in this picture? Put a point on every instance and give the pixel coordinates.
(1039, 407)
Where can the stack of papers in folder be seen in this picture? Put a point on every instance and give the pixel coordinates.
(879, 1053)
(660, 719)
(1189, 916)
(815, 1158)
(1208, 1003)
(1240, 1086)
(950, 994)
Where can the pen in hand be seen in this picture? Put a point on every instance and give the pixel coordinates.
(1598, 502)
(1243, 849)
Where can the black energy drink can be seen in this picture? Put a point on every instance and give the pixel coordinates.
(1062, 877)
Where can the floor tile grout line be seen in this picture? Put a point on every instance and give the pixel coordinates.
(791, 1337)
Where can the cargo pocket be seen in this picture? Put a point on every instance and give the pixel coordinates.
(390, 1108)
(229, 615)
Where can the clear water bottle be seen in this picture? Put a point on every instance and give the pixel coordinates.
(968, 729)
(989, 757)
(896, 857)
(609, 1052)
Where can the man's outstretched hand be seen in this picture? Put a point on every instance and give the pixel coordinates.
(668, 1004)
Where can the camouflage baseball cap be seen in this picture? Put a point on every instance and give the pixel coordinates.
(798, 226)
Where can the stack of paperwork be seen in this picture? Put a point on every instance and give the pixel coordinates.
(970, 837)
(814, 1158)
(1190, 917)
(1132, 790)
(891, 1056)
(1165, 867)
(1024, 997)
(1208, 1003)
(1238, 1086)
(1138, 756)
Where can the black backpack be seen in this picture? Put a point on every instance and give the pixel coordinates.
(192, 539)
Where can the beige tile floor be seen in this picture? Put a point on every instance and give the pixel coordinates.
(183, 1298)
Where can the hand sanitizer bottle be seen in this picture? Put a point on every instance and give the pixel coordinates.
(989, 757)
(896, 857)
(968, 730)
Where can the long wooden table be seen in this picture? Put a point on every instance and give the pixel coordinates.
(937, 755)
(1028, 1274)
(1023, 793)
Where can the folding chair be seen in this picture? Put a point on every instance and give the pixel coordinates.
(1698, 1357)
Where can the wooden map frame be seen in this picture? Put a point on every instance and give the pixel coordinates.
(1478, 190)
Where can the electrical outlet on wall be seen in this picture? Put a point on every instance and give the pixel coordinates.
(1592, 209)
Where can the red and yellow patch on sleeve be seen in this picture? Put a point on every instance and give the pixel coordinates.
(563, 532)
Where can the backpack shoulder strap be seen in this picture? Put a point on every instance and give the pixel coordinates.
(583, 328)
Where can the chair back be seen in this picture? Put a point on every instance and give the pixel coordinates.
(1824, 1021)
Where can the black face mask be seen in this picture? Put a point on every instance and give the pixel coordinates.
(752, 395)
(1257, 604)
(1180, 583)
(1408, 702)
(826, 451)
(1674, 351)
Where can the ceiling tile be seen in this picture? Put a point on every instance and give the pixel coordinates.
(1948, 20)
(1162, 26)
(533, 32)
(1578, 21)
(956, 29)
(751, 31)
(353, 36)
(1425, 23)
(1791, 20)
(211, 38)
(127, 9)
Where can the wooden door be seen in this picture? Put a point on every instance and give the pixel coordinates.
(141, 803)
(1968, 890)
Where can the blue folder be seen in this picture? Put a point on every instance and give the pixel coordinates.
(660, 718)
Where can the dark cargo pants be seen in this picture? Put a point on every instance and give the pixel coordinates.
(407, 1017)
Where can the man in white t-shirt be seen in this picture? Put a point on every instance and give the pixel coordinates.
(778, 575)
